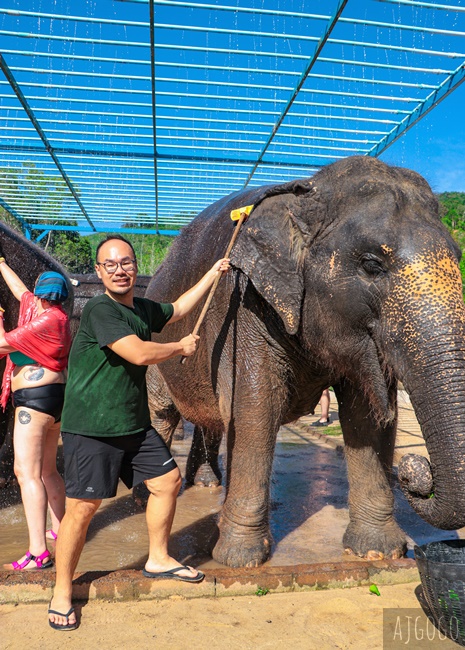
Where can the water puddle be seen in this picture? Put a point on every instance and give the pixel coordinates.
(308, 514)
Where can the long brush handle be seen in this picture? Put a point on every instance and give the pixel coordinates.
(216, 281)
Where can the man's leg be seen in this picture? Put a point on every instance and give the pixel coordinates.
(70, 543)
(161, 507)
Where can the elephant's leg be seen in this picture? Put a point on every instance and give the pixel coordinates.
(202, 464)
(166, 423)
(369, 447)
(244, 532)
(179, 431)
(164, 415)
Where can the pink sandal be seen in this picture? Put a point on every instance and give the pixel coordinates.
(43, 561)
(51, 534)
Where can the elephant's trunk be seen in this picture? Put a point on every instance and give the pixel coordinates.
(436, 488)
(427, 324)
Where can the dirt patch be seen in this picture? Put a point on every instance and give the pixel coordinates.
(339, 618)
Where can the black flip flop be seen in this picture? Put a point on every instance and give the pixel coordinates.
(64, 628)
(173, 573)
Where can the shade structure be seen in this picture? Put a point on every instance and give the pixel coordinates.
(137, 114)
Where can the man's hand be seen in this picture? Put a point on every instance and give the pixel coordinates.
(189, 344)
(221, 265)
(185, 303)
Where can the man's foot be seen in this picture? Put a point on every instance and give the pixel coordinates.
(321, 423)
(174, 570)
(61, 615)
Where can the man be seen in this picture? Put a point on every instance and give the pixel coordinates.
(106, 426)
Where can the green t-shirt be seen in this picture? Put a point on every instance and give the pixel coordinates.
(105, 394)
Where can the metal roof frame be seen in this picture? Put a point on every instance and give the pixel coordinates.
(146, 111)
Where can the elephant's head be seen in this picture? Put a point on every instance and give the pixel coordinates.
(27, 260)
(360, 268)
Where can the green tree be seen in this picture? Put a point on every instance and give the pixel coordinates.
(30, 191)
(150, 250)
(9, 186)
(70, 249)
(453, 210)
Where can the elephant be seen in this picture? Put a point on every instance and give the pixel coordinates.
(347, 279)
(28, 260)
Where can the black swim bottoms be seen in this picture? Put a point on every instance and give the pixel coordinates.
(93, 465)
(45, 399)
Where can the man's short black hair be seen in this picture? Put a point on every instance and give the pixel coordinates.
(109, 238)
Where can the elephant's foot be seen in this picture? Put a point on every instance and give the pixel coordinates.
(237, 547)
(206, 475)
(373, 543)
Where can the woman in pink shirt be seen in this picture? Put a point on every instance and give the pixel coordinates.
(36, 371)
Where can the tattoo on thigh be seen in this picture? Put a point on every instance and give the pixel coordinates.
(34, 375)
(24, 417)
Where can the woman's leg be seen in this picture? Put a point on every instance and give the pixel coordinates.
(29, 443)
(54, 484)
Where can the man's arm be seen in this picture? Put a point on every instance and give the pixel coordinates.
(147, 353)
(185, 303)
(16, 286)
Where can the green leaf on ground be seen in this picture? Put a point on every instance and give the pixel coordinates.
(374, 590)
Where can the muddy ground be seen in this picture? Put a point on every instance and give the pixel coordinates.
(313, 474)
(316, 620)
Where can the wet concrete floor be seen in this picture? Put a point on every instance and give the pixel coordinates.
(308, 513)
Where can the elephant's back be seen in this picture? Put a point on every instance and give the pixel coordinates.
(198, 246)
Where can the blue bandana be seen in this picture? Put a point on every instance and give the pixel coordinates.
(51, 286)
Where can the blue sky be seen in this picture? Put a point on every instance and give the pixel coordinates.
(435, 147)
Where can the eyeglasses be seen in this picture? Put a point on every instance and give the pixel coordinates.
(111, 267)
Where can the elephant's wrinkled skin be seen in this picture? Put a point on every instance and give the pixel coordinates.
(348, 279)
(27, 260)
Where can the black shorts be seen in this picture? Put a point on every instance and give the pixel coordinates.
(47, 399)
(94, 465)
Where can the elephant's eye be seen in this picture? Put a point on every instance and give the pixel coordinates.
(372, 266)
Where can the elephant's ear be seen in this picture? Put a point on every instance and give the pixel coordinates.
(270, 251)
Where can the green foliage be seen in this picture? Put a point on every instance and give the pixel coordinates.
(9, 185)
(452, 211)
(374, 590)
(262, 591)
(70, 249)
(150, 249)
(6, 217)
(32, 191)
(333, 430)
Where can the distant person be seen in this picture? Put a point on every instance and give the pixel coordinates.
(36, 374)
(325, 401)
(106, 428)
